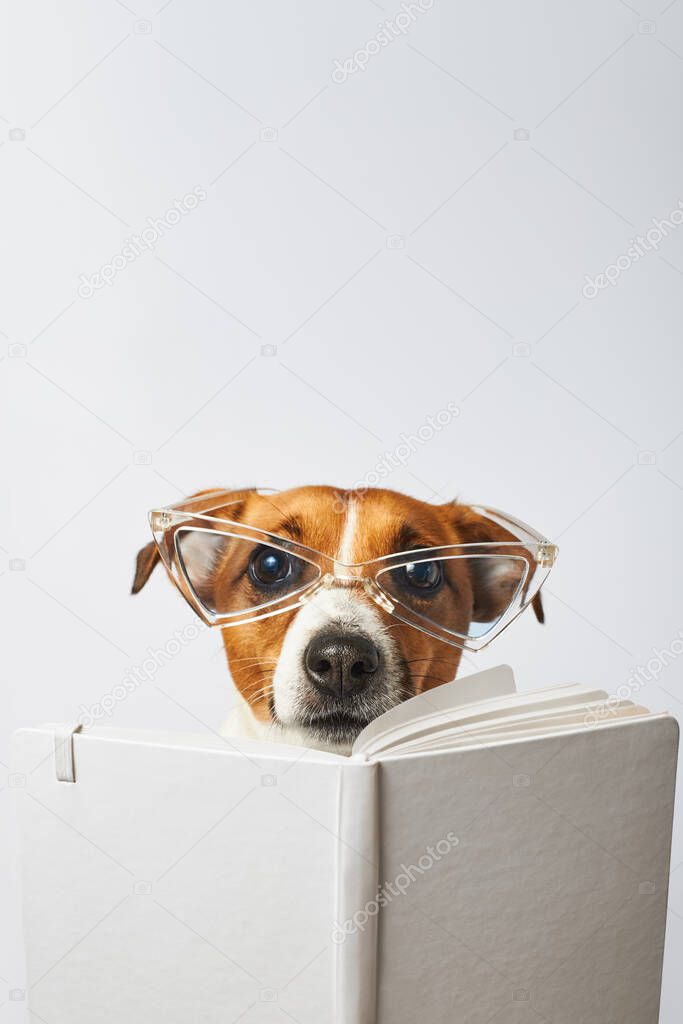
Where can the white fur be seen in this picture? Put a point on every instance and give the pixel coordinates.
(241, 724)
(345, 553)
(341, 606)
(334, 607)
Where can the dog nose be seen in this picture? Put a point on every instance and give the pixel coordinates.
(341, 664)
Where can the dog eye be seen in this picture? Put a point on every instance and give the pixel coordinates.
(268, 566)
(423, 575)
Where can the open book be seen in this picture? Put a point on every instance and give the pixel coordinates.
(482, 856)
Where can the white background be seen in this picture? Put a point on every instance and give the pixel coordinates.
(416, 235)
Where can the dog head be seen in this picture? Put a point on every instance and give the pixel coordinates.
(325, 669)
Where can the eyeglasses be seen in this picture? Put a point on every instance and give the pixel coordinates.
(463, 594)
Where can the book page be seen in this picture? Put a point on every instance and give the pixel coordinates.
(440, 726)
(494, 682)
(540, 724)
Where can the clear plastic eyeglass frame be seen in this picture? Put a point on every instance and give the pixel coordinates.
(523, 563)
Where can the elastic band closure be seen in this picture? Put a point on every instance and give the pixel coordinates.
(65, 769)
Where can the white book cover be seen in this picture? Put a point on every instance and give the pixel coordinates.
(482, 856)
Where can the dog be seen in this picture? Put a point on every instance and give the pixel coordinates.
(317, 674)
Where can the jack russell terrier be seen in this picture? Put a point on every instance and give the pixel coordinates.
(336, 605)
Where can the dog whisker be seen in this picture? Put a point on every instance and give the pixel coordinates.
(264, 680)
(432, 678)
(414, 661)
(255, 661)
(257, 698)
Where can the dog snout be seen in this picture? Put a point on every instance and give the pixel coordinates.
(341, 664)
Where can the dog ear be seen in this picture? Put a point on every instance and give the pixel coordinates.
(537, 605)
(494, 581)
(147, 558)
